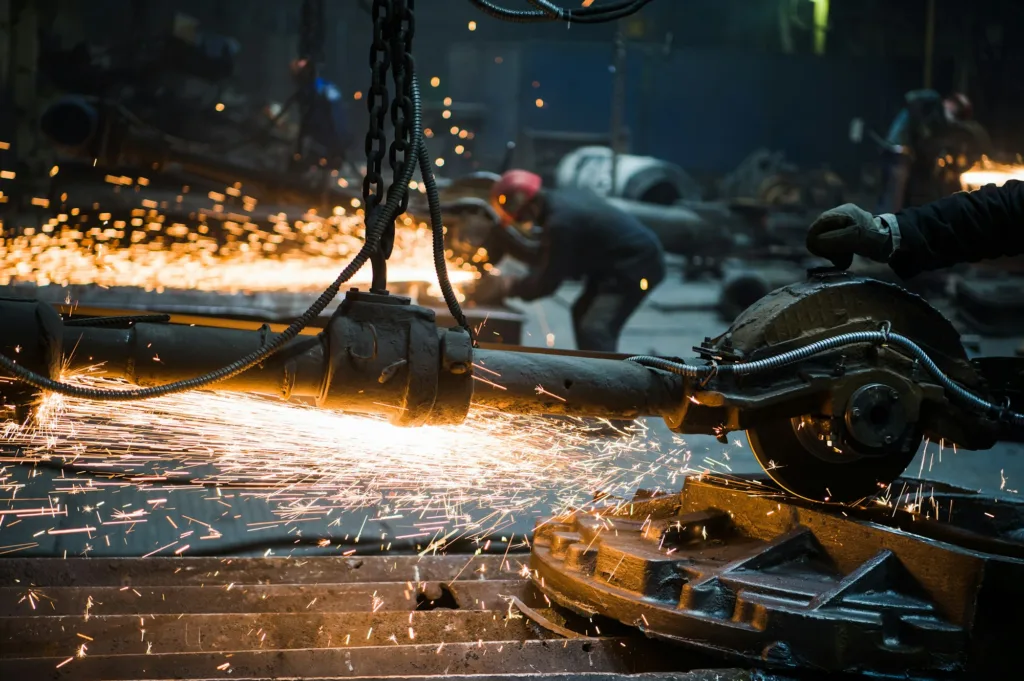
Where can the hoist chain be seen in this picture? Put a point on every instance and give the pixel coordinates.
(377, 104)
(402, 68)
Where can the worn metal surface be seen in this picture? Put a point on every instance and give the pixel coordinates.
(380, 354)
(561, 383)
(252, 618)
(735, 567)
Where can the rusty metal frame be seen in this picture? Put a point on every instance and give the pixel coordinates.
(738, 568)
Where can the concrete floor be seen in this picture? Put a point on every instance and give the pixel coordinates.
(999, 471)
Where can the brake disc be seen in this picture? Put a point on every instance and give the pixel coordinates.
(867, 441)
(812, 458)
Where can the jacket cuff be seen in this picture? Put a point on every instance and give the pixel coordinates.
(889, 222)
(906, 261)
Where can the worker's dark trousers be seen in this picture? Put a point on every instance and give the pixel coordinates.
(605, 306)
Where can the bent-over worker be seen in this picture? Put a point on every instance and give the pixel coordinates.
(921, 132)
(568, 234)
(962, 228)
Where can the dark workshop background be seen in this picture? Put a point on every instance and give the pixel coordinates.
(707, 81)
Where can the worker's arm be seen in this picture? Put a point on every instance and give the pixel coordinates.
(919, 107)
(540, 283)
(548, 266)
(519, 246)
(964, 227)
(546, 275)
(924, 104)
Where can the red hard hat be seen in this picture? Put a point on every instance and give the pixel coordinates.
(513, 192)
(960, 106)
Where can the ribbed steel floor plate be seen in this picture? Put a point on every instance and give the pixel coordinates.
(308, 618)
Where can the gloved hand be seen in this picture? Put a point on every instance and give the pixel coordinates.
(846, 231)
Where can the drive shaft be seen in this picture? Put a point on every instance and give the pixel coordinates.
(378, 355)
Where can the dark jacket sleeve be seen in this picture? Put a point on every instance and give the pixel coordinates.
(964, 227)
(538, 284)
(524, 249)
(924, 104)
(548, 267)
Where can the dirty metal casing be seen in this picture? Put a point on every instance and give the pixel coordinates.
(32, 336)
(736, 567)
(379, 354)
(329, 618)
(572, 384)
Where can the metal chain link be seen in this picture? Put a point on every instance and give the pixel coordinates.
(402, 68)
(377, 105)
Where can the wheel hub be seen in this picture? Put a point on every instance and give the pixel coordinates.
(875, 417)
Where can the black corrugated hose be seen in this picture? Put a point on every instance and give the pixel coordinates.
(437, 231)
(549, 11)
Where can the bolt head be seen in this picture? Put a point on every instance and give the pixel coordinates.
(889, 439)
(459, 368)
(893, 395)
(855, 412)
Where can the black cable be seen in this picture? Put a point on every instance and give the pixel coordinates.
(551, 12)
(118, 321)
(515, 16)
(550, 8)
(589, 15)
(610, 15)
(593, 10)
(437, 230)
(387, 214)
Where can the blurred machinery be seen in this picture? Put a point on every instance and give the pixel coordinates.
(154, 167)
(750, 244)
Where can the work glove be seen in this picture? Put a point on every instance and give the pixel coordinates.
(846, 231)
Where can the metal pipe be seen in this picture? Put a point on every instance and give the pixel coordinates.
(513, 382)
(565, 384)
(378, 355)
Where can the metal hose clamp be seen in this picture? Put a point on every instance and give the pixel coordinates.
(886, 330)
(707, 379)
(1004, 411)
